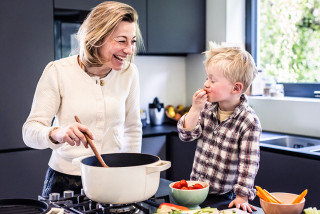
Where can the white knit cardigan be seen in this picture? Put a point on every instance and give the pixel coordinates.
(112, 111)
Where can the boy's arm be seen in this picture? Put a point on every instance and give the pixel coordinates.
(249, 157)
(188, 126)
(199, 100)
(188, 134)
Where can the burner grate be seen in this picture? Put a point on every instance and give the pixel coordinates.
(80, 204)
(23, 206)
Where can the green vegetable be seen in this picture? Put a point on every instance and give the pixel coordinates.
(207, 210)
(311, 210)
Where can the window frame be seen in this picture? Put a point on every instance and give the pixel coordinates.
(306, 90)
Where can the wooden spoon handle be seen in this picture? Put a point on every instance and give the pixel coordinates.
(95, 151)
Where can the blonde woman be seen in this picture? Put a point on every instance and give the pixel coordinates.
(226, 127)
(100, 86)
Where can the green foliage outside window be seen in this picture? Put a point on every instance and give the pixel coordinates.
(289, 39)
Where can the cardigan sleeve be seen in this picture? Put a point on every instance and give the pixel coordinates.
(46, 101)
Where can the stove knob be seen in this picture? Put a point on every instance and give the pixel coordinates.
(68, 193)
(82, 192)
(54, 196)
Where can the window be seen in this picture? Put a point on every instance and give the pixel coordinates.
(284, 37)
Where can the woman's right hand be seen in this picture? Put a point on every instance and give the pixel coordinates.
(72, 134)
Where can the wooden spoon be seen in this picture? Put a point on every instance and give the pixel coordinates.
(92, 146)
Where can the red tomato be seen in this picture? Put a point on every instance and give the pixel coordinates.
(184, 183)
(177, 185)
(197, 186)
(190, 187)
(185, 188)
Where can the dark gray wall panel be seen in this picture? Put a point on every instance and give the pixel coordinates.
(26, 42)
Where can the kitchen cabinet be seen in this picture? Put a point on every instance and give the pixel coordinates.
(286, 173)
(176, 26)
(155, 146)
(23, 173)
(181, 155)
(87, 5)
(167, 26)
(27, 45)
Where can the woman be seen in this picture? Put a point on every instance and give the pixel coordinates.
(100, 86)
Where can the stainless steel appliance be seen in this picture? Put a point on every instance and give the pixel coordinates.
(82, 204)
(156, 112)
(66, 25)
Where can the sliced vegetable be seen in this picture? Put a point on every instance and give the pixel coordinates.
(300, 197)
(311, 210)
(263, 195)
(207, 210)
(173, 207)
(272, 196)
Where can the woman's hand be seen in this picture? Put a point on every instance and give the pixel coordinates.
(242, 203)
(72, 134)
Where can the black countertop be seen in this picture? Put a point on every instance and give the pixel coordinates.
(213, 201)
(152, 131)
(170, 128)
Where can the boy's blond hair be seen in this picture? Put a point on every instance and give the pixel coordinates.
(237, 64)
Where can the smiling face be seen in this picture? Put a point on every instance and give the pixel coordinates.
(218, 87)
(120, 44)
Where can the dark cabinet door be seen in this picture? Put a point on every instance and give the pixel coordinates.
(285, 173)
(86, 5)
(23, 173)
(27, 45)
(176, 26)
(181, 155)
(155, 146)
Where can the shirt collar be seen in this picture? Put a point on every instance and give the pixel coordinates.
(213, 107)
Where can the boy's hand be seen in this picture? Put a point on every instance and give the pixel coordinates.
(199, 99)
(242, 203)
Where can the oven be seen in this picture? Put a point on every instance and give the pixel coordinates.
(66, 25)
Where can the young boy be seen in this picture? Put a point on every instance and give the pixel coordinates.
(226, 127)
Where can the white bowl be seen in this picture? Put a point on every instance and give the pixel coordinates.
(286, 208)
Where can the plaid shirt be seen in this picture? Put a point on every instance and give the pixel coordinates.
(227, 154)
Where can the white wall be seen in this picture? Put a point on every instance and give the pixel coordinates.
(195, 75)
(216, 21)
(288, 115)
(225, 21)
(163, 77)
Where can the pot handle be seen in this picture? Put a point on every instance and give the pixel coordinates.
(159, 166)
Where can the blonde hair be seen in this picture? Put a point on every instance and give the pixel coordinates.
(99, 24)
(237, 64)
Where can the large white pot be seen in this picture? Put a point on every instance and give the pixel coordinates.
(130, 177)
